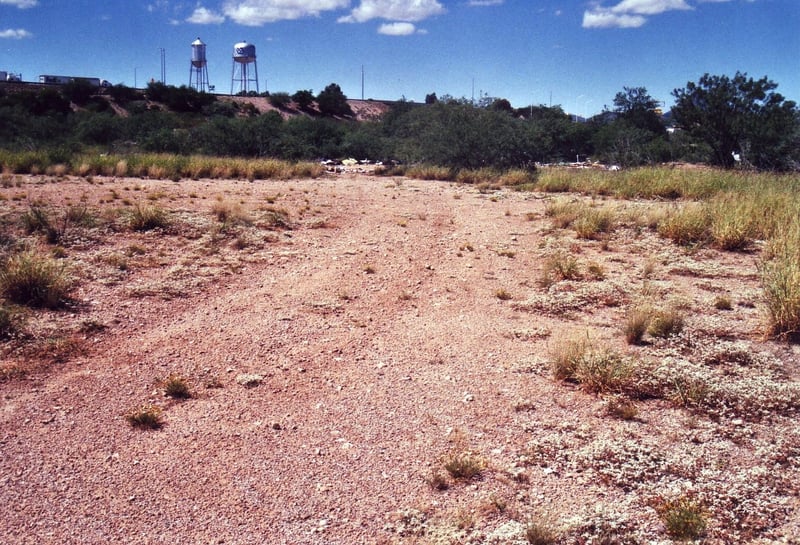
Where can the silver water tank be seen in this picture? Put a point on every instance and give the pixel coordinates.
(198, 53)
(244, 53)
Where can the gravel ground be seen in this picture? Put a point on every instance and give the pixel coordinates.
(339, 360)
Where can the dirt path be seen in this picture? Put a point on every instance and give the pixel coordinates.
(383, 349)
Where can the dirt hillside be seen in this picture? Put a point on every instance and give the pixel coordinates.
(363, 110)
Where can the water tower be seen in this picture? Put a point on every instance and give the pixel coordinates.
(198, 70)
(244, 54)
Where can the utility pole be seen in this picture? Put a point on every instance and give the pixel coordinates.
(163, 53)
(362, 82)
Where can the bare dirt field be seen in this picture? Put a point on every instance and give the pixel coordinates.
(371, 361)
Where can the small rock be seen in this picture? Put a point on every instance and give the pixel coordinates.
(249, 380)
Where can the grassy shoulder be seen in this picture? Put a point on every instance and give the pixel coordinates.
(154, 165)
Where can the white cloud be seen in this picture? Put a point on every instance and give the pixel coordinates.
(649, 7)
(204, 16)
(394, 10)
(15, 34)
(606, 19)
(630, 13)
(397, 29)
(21, 4)
(482, 3)
(260, 12)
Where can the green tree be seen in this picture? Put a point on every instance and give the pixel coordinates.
(634, 98)
(78, 91)
(333, 102)
(178, 99)
(280, 100)
(98, 128)
(264, 133)
(740, 116)
(48, 102)
(461, 136)
(632, 133)
(552, 135)
(366, 141)
(501, 105)
(622, 143)
(308, 138)
(304, 98)
(639, 109)
(123, 95)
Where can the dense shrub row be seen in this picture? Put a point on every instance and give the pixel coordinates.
(455, 134)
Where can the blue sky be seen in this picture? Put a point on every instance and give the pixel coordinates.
(576, 53)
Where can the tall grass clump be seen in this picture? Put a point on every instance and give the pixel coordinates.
(589, 221)
(518, 178)
(230, 213)
(478, 176)
(563, 212)
(556, 180)
(677, 183)
(666, 323)
(559, 266)
(305, 169)
(687, 225)
(684, 518)
(390, 170)
(177, 387)
(601, 371)
(34, 280)
(537, 533)
(593, 223)
(199, 167)
(147, 218)
(770, 208)
(566, 356)
(160, 166)
(596, 370)
(148, 417)
(276, 218)
(431, 172)
(662, 182)
(463, 464)
(649, 183)
(97, 164)
(24, 162)
(38, 218)
(734, 221)
(636, 323)
(780, 278)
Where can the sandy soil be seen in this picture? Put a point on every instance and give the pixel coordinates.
(376, 347)
(363, 110)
